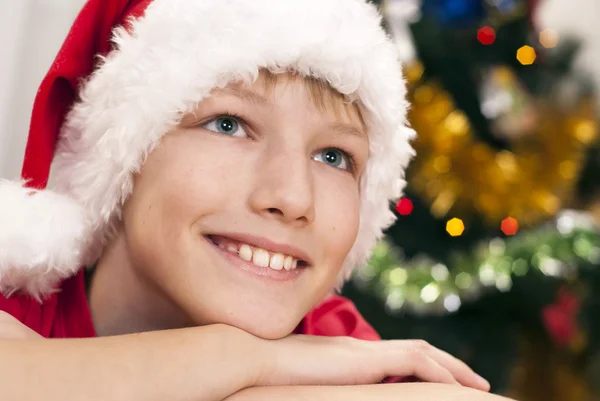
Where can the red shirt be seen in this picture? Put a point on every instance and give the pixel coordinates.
(66, 314)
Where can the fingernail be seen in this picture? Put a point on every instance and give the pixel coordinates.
(482, 382)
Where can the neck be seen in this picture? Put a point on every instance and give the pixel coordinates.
(123, 301)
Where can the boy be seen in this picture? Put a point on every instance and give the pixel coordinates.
(221, 170)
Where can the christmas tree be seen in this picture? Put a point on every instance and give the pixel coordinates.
(495, 253)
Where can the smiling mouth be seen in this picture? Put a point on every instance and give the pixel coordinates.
(259, 257)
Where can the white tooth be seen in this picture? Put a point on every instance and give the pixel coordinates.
(232, 248)
(295, 264)
(221, 246)
(246, 252)
(287, 263)
(260, 257)
(276, 261)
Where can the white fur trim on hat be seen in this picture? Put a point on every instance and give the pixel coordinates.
(180, 50)
(42, 235)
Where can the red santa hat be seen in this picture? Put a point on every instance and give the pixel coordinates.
(127, 71)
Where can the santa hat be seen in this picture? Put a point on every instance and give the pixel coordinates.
(127, 71)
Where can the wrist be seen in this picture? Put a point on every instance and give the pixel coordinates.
(249, 352)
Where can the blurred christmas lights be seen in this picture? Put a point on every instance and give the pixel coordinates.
(526, 55)
(509, 226)
(423, 286)
(486, 35)
(549, 38)
(455, 227)
(404, 207)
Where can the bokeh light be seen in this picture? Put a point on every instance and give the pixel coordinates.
(549, 38)
(486, 35)
(526, 55)
(509, 226)
(455, 227)
(404, 207)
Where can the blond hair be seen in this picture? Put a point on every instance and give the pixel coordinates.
(322, 95)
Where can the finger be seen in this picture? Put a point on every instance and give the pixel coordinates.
(460, 370)
(419, 364)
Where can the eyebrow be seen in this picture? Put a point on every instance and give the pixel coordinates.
(347, 129)
(248, 96)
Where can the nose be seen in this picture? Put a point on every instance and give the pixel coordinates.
(284, 187)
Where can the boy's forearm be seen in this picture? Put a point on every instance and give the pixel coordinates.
(375, 392)
(203, 364)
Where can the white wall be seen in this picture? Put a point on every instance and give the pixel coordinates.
(13, 14)
(32, 32)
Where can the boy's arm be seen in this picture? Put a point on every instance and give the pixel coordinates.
(373, 392)
(205, 363)
(174, 365)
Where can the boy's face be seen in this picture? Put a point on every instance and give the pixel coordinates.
(264, 163)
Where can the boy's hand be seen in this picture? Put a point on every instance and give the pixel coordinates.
(12, 329)
(304, 360)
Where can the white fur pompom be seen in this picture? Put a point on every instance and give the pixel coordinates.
(43, 236)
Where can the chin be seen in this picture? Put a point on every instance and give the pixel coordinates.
(260, 311)
(266, 325)
(269, 332)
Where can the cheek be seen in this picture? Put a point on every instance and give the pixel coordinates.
(181, 181)
(186, 178)
(340, 214)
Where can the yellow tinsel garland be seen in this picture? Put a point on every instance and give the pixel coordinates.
(457, 174)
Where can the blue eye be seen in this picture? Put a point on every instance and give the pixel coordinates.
(335, 158)
(227, 125)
